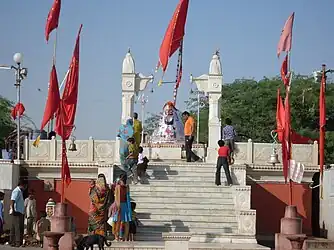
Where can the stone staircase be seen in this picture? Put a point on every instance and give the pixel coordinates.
(182, 197)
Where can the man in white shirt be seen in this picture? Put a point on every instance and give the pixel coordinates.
(30, 213)
(17, 212)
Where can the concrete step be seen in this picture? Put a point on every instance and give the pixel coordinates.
(189, 188)
(189, 218)
(228, 222)
(153, 194)
(184, 200)
(149, 206)
(168, 182)
(158, 229)
(206, 213)
(160, 245)
(183, 172)
(184, 178)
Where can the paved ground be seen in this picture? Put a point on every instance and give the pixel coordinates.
(6, 247)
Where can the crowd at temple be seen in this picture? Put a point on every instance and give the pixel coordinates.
(111, 209)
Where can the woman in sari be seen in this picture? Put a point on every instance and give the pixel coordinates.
(124, 133)
(122, 214)
(137, 129)
(99, 195)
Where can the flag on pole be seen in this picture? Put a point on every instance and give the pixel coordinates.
(18, 109)
(286, 143)
(52, 102)
(70, 94)
(285, 41)
(174, 34)
(322, 124)
(53, 18)
(284, 71)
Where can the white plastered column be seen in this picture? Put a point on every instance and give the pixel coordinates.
(132, 84)
(212, 84)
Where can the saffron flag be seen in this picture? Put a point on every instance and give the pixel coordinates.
(284, 71)
(280, 113)
(53, 18)
(322, 104)
(174, 34)
(286, 143)
(70, 95)
(285, 40)
(280, 123)
(53, 100)
(18, 109)
(322, 124)
(65, 169)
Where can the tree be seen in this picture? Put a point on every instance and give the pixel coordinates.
(252, 107)
(6, 122)
(151, 123)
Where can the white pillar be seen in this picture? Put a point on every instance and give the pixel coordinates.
(212, 84)
(132, 83)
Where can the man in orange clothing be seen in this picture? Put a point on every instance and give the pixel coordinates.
(189, 126)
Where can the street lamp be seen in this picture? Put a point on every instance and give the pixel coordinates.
(20, 74)
(143, 101)
(200, 104)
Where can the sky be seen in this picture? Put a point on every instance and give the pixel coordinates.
(246, 33)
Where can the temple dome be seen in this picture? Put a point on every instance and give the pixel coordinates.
(215, 65)
(128, 64)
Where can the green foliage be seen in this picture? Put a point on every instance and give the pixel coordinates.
(6, 123)
(251, 106)
(152, 122)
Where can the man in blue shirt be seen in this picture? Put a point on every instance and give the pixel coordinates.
(17, 212)
(228, 135)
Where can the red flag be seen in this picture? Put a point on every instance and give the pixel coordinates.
(284, 71)
(322, 123)
(285, 40)
(53, 100)
(70, 95)
(65, 169)
(53, 18)
(280, 121)
(280, 116)
(18, 108)
(286, 143)
(322, 104)
(174, 34)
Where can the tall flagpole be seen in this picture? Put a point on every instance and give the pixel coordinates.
(287, 92)
(53, 63)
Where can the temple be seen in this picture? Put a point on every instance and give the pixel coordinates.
(181, 203)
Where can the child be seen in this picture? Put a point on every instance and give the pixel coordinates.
(142, 163)
(42, 225)
(2, 196)
(30, 213)
(133, 222)
(132, 158)
(91, 186)
(223, 160)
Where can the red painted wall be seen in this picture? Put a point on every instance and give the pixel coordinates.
(270, 199)
(76, 195)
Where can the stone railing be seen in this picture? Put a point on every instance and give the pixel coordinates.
(107, 151)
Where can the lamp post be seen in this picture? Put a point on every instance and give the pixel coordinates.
(200, 104)
(143, 101)
(20, 74)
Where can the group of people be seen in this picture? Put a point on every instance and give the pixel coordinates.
(24, 223)
(111, 206)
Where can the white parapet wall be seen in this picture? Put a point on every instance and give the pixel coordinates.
(107, 151)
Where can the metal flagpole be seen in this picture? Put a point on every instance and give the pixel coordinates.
(198, 111)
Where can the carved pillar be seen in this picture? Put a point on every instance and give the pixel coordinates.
(212, 84)
(132, 83)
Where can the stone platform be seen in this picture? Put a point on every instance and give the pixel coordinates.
(192, 246)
